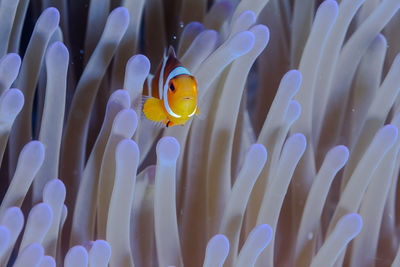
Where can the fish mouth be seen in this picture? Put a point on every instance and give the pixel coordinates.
(187, 98)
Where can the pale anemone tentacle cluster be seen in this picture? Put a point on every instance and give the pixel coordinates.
(289, 162)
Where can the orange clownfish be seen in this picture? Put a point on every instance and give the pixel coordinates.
(172, 94)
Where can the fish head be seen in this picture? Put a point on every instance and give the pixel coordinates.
(182, 94)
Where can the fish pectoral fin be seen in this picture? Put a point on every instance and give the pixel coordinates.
(153, 110)
(138, 102)
(201, 115)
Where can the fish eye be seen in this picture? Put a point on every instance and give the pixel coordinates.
(172, 87)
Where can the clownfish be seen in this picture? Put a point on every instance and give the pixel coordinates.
(172, 93)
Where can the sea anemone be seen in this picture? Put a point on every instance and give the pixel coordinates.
(292, 161)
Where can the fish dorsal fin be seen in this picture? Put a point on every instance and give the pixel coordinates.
(171, 52)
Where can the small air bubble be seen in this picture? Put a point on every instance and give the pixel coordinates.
(310, 235)
(81, 51)
(352, 110)
(181, 24)
(174, 37)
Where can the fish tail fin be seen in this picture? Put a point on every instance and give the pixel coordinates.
(153, 109)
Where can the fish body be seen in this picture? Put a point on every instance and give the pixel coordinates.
(172, 93)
